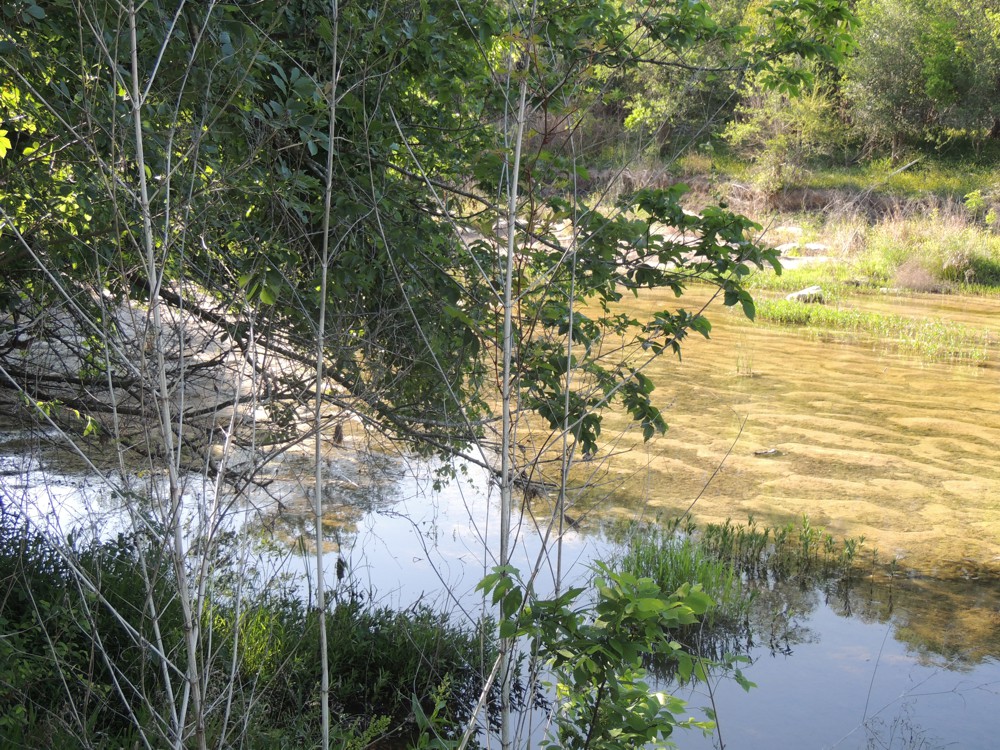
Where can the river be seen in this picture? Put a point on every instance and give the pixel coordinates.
(771, 422)
(864, 441)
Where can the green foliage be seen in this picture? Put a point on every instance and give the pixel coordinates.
(783, 135)
(70, 667)
(236, 145)
(383, 661)
(923, 66)
(596, 654)
(672, 559)
(680, 101)
(78, 663)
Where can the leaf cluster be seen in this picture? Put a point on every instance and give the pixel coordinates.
(595, 653)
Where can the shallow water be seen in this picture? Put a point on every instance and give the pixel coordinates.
(878, 663)
(852, 684)
(895, 448)
(841, 669)
(898, 449)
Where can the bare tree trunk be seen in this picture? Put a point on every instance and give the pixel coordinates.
(508, 387)
(175, 494)
(324, 692)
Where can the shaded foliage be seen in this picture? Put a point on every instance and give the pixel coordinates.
(79, 662)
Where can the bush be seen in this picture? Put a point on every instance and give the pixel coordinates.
(73, 674)
(68, 666)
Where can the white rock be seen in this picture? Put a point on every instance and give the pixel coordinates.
(808, 295)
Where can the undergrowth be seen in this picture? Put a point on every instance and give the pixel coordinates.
(74, 673)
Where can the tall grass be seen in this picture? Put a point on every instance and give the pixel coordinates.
(762, 553)
(72, 674)
(931, 338)
(672, 558)
(944, 247)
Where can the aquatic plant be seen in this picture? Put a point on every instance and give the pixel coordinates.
(729, 559)
(930, 338)
(759, 552)
(673, 558)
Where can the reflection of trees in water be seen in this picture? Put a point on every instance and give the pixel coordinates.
(355, 487)
(954, 620)
(35, 468)
(948, 623)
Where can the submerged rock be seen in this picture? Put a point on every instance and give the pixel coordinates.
(765, 452)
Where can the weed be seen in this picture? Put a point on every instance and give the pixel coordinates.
(673, 558)
(264, 651)
(931, 338)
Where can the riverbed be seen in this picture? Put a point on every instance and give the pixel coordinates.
(780, 422)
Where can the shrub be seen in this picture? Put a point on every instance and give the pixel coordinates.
(72, 673)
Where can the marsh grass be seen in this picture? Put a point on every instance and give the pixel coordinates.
(947, 245)
(760, 553)
(733, 561)
(930, 338)
(835, 279)
(672, 558)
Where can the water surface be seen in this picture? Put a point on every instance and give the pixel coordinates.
(866, 442)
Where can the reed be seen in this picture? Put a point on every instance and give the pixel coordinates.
(930, 338)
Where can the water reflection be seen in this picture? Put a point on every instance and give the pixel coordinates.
(884, 658)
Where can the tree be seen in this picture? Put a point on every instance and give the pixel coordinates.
(922, 68)
(783, 132)
(230, 228)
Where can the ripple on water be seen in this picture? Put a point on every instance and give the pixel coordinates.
(897, 448)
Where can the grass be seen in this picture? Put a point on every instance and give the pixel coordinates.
(928, 176)
(929, 223)
(945, 246)
(835, 278)
(938, 247)
(932, 338)
(672, 559)
(731, 561)
(762, 553)
(63, 649)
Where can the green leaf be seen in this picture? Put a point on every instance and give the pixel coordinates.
(511, 603)
(508, 628)
(702, 325)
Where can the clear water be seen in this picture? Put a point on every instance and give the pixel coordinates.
(866, 442)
